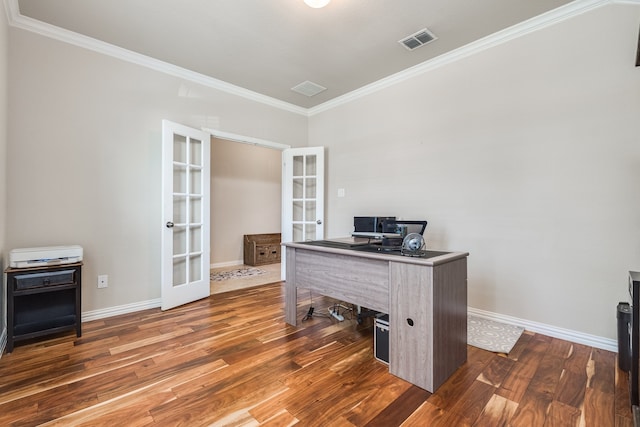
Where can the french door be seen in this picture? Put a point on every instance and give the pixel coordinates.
(302, 196)
(185, 214)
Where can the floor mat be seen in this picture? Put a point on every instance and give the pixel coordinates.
(491, 335)
(236, 274)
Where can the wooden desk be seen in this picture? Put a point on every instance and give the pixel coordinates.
(426, 300)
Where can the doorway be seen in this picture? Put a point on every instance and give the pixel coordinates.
(246, 194)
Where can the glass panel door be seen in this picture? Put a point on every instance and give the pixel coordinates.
(302, 196)
(185, 239)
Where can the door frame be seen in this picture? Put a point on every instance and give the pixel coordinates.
(243, 139)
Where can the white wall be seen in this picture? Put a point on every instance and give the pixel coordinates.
(84, 150)
(246, 189)
(526, 155)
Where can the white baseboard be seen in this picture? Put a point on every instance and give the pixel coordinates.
(549, 330)
(121, 309)
(552, 331)
(226, 264)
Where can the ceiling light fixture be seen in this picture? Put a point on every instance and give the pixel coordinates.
(317, 4)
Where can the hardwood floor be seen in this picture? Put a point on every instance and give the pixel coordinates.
(231, 360)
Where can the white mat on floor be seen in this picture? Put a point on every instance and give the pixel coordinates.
(491, 335)
(236, 274)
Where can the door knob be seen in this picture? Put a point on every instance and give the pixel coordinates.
(169, 224)
(319, 222)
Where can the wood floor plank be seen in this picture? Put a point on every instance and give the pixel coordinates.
(578, 358)
(604, 374)
(401, 408)
(281, 419)
(560, 348)
(571, 388)
(517, 380)
(548, 374)
(389, 389)
(497, 412)
(520, 345)
(532, 410)
(472, 402)
(621, 393)
(114, 413)
(220, 400)
(271, 407)
(449, 392)
(17, 411)
(318, 354)
(561, 415)
(496, 371)
(599, 408)
(430, 415)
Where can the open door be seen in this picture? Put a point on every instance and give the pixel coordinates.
(302, 196)
(185, 214)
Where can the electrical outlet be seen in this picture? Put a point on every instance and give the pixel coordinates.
(103, 281)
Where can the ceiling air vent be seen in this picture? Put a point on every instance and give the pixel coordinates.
(418, 39)
(308, 88)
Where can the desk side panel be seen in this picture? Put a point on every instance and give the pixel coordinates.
(351, 279)
(411, 324)
(449, 319)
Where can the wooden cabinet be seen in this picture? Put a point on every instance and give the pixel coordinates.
(43, 301)
(260, 249)
(428, 326)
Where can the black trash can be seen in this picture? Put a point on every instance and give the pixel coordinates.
(624, 337)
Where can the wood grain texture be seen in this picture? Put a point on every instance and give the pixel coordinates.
(353, 279)
(232, 360)
(428, 321)
(411, 324)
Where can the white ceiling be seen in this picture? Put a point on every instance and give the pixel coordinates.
(270, 46)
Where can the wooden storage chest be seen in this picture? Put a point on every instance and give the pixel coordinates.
(261, 249)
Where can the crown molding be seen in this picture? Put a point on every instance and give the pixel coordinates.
(553, 17)
(17, 20)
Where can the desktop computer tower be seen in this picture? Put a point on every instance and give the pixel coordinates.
(381, 338)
